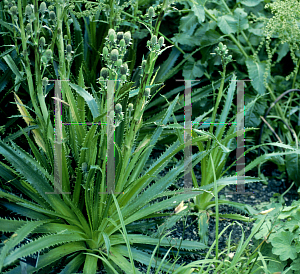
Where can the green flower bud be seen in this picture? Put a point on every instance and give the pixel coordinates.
(105, 51)
(118, 108)
(52, 15)
(123, 77)
(127, 37)
(122, 43)
(154, 39)
(70, 21)
(114, 55)
(161, 41)
(157, 47)
(120, 35)
(144, 63)
(69, 48)
(112, 37)
(45, 81)
(43, 7)
(42, 42)
(28, 10)
(14, 10)
(29, 27)
(111, 31)
(5, 2)
(44, 59)
(104, 73)
(124, 69)
(147, 92)
(130, 107)
(119, 62)
(101, 78)
(151, 12)
(66, 37)
(48, 54)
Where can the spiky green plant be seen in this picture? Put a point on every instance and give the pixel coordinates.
(80, 226)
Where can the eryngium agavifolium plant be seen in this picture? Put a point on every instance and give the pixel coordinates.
(84, 229)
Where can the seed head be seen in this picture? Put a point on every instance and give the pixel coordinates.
(118, 108)
(130, 107)
(161, 41)
(14, 10)
(154, 39)
(42, 42)
(124, 69)
(69, 48)
(119, 62)
(122, 43)
(104, 73)
(151, 12)
(105, 51)
(43, 7)
(45, 81)
(127, 37)
(144, 63)
(120, 35)
(28, 10)
(52, 15)
(114, 55)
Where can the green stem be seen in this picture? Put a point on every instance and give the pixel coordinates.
(217, 208)
(27, 63)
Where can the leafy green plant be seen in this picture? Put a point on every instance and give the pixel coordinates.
(280, 235)
(83, 225)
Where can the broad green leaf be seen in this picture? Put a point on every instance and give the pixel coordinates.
(199, 12)
(282, 246)
(193, 70)
(256, 72)
(188, 23)
(227, 24)
(241, 16)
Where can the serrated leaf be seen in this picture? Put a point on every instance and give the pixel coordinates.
(188, 23)
(89, 99)
(256, 72)
(199, 12)
(227, 24)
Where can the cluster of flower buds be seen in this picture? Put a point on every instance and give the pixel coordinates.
(222, 51)
(154, 44)
(113, 52)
